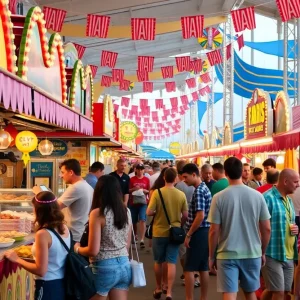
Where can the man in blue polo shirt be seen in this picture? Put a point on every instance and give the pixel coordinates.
(96, 171)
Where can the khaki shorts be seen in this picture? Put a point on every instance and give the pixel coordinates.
(278, 275)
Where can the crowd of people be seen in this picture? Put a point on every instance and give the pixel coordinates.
(240, 223)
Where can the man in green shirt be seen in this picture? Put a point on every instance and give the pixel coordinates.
(219, 175)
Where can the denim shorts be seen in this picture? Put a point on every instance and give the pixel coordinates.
(113, 273)
(231, 271)
(49, 290)
(138, 213)
(164, 251)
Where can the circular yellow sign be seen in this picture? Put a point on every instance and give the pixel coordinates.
(128, 131)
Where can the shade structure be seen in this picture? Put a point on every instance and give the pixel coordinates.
(161, 154)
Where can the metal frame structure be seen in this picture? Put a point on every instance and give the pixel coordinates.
(291, 65)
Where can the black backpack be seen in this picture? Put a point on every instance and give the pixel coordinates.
(79, 280)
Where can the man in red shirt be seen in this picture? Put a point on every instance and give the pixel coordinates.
(139, 189)
(272, 179)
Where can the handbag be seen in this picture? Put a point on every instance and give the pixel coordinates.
(177, 234)
(137, 269)
(85, 236)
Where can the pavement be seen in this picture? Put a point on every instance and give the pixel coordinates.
(178, 291)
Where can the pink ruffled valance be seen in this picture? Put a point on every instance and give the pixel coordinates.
(86, 126)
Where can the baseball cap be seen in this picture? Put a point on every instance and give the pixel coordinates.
(140, 166)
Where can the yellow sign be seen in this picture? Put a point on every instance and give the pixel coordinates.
(128, 131)
(108, 116)
(26, 141)
(175, 148)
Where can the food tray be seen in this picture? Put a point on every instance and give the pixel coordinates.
(13, 225)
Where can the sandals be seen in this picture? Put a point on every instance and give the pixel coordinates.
(157, 295)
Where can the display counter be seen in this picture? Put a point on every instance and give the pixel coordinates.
(15, 282)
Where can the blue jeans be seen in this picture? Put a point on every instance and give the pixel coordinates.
(113, 273)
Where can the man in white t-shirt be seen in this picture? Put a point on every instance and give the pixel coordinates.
(76, 201)
(156, 173)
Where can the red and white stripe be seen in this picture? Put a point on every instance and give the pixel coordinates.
(191, 83)
(214, 57)
(288, 9)
(80, 50)
(183, 63)
(228, 51)
(125, 101)
(195, 96)
(170, 86)
(106, 81)
(12, 6)
(240, 41)
(159, 103)
(117, 75)
(196, 65)
(143, 29)
(97, 26)
(192, 26)
(108, 59)
(244, 18)
(184, 99)
(147, 87)
(54, 18)
(94, 70)
(146, 63)
(142, 75)
(205, 78)
(124, 85)
(174, 102)
(167, 72)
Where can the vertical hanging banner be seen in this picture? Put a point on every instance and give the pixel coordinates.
(240, 41)
(170, 86)
(167, 72)
(183, 63)
(288, 9)
(174, 102)
(147, 87)
(142, 75)
(124, 85)
(214, 57)
(196, 65)
(244, 19)
(205, 78)
(228, 51)
(12, 5)
(117, 75)
(159, 103)
(54, 18)
(145, 63)
(143, 29)
(125, 101)
(106, 81)
(108, 59)
(94, 70)
(80, 50)
(192, 26)
(97, 26)
(191, 83)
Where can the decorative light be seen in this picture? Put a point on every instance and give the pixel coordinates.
(244, 160)
(5, 139)
(46, 147)
(258, 160)
(280, 159)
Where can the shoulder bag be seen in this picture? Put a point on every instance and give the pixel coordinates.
(177, 234)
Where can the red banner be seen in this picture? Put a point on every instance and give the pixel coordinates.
(184, 99)
(288, 9)
(159, 103)
(240, 41)
(205, 78)
(143, 29)
(125, 101)
(146, 63)
(243, 19)
(196, 66)
(214, 57)
(108, 59)
(147, 87)
(192, 26)
(116, 107)
(117, 75)
(191, 83)
(143, 103)
(124, 85)
(80, 50)
(106, 81)
(124, 112)
(170, 86)
(167, 72)
(183, 63)
(228, 51)
(12, 6)
(174, 102)
(195, 96)
(94, 70)
(142, 75)
(97, 26)
(54, 18)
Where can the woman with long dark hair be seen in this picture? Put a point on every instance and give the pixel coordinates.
(109, 241)
(48, 252)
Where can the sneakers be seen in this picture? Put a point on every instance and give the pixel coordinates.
(142, 245)
(196, 283)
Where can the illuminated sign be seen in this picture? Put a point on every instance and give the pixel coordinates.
(282, 111)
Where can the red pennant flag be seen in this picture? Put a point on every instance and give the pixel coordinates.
(117, 75)
(145, 63)
(228, 51)
(192, 26)
(191, 83)
(174, 110)
(167, 72)
(205, 78)
(97, 26)
(184, 99)
(243, 19)
(124, 85)
(134, 109)
(207, 89)
(170, 86)
(94, 70)
(106, 81)
(147, 87)
(202, 92)
(80, 50)
(12, 6)
(159, 103)
(146, 120)
(143, 29)
(142, 75)
(108, 59)
(174, 102)
(143, 103)
(240, 41)
(214, 57)
(125, 101)
(183, 63)
(196, 65)
(116, 107)
(195, 96)
(155, 114)
(288, 9)
(54, 18)
(124, 112)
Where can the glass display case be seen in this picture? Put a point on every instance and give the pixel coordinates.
(16, 199)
